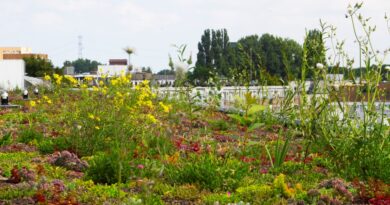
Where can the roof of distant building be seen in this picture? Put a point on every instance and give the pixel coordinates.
(164, 77)
(117, 62)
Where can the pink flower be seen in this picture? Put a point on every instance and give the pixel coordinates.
(228, 194)
(140, 166)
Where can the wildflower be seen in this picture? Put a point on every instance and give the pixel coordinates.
(140, 166)
(88, 79)
(94, 88)
(71, 79)
(47, 78)
(91, 116)
(79, 127)
(151, 118)
(228, 194)
(165, 108)
(58, 78)
(101, 83)
(33, 103)
(114, 82)
(97, 127)
(47, 99)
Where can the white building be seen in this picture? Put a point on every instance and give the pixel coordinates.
(12, 74)
(112, 70)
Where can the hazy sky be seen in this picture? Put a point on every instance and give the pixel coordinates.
(107, 26)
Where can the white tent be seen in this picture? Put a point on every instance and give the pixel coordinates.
(12, 74)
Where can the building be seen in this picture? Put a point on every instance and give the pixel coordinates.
(115, 67)
(164, 80)
(12, 74)
(138, 77)
(18, 53)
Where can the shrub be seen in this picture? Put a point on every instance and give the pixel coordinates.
(6, 139)
(30, 135)
(108, 169)
(255, 193)
(209, 172)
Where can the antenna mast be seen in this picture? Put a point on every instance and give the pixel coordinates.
(80, 46)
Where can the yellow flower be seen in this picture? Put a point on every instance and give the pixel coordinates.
(47, 99)
(58, 78)
(88, 79)
(91, 116)
(47, 77)
(101, 83)
(114, 82)
(97, 127)
(94, 88)
(71, 79)
(165, 108)
(151, 118)
(33, 103)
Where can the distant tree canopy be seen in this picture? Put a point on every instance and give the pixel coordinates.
(265, 59)
(83, 65)
(314, 47)
(146, 69)
(166, 72)
(38, 67)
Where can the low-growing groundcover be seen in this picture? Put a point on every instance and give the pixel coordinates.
(121, 144)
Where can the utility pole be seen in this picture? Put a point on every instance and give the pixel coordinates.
(80, 38)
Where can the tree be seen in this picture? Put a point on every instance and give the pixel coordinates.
(38, 67)
(146, 69)
(166, 72)
(83, 65)
(315, 50)
(212, 57)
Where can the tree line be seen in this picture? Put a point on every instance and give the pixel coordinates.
(265, 59)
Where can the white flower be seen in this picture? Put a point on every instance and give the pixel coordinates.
(387, 68)
(319, 65)
(79, 127)
(183, 66)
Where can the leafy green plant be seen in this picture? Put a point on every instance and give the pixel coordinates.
(108, 169)
(250, 110)
(209, 172)
(6, 139)
(30, 135)
(280, 152)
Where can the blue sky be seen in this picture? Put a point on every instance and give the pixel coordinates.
(152, 26)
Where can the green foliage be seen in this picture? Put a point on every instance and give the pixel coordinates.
(9, 193)
(166, 72)
(38, 67)
(6, 139)
(263, 59)
(30, 136)
(49, 145)
(208, 172)
(83, 65)
(315, 50)
(108, 169)
(251, 110)
(279, 153)
(221, 125)
(255, 193)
